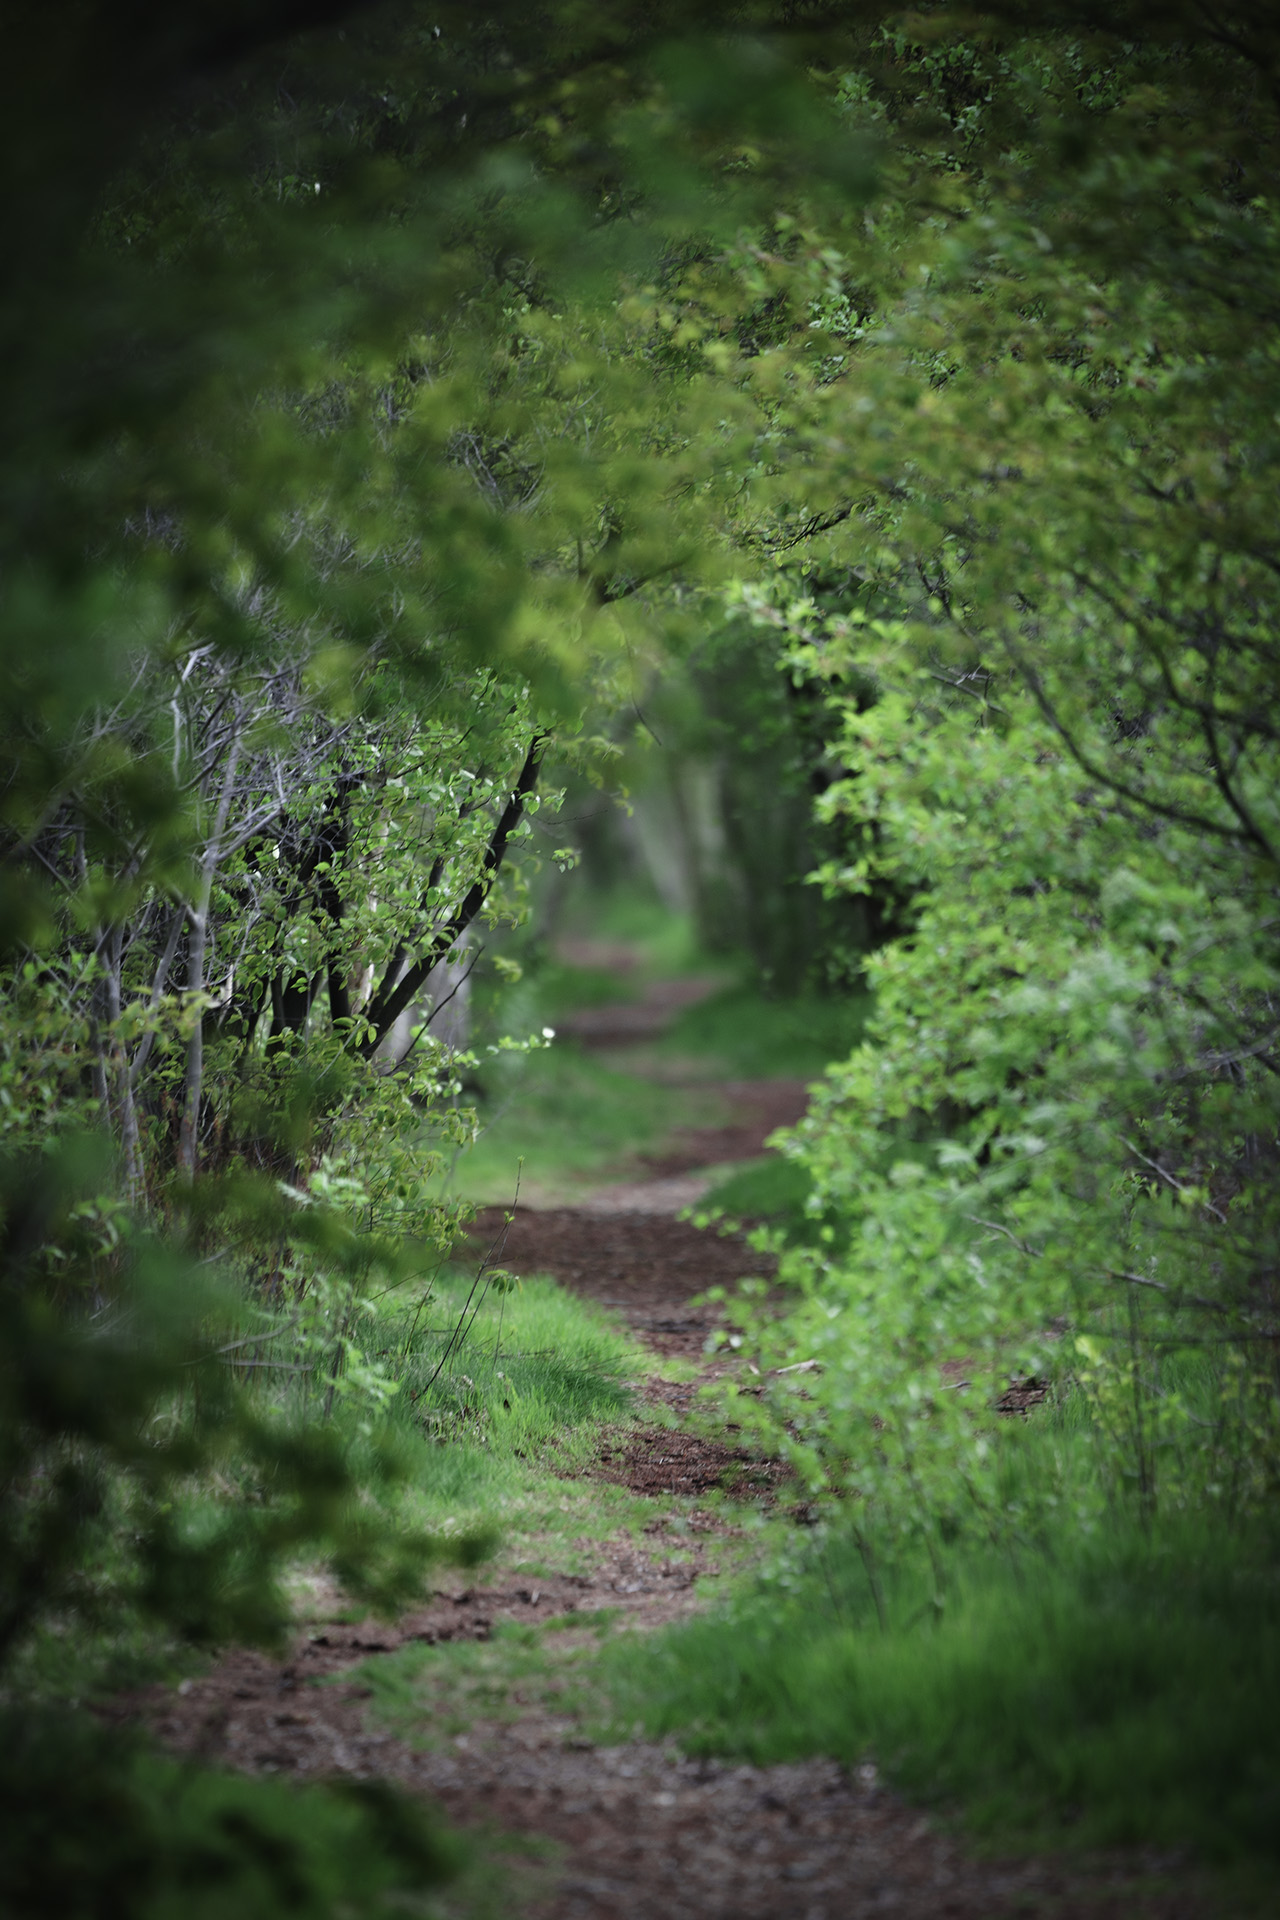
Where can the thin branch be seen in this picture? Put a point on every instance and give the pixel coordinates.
(1032, 1253)
(390, 1002)
(1170, 1178)
(256, 1339)
(277, 1366)
(1176, 1294)
(497, 1246)
(438, 1007)
(1220, 829)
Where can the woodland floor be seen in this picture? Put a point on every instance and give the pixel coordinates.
(629, 1830)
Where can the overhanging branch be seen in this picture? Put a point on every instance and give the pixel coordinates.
(393, 997)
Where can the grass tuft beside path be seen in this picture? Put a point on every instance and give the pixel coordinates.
(1114, 1688)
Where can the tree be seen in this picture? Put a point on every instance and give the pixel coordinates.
(298, 570)
(1024, 410)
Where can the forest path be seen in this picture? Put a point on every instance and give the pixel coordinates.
(500, 1731)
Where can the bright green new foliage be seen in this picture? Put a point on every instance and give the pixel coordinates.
(1029, 421)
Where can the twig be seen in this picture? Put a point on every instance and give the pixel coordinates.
(256, 1339)
(1160, 1286)
(498, 1246)
(438, 1007)
(1032, 1253)
(1171, 1180)
(1112, 1273)
(278, 1366)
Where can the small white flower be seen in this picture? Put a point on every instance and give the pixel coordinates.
(548, 1033)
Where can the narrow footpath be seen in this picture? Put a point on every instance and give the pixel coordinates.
(631, 1830)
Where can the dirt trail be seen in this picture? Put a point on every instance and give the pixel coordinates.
(638, 1831)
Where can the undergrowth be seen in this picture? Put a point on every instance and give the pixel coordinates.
(769, 1188)
(506, 1390)
(509, 1364)
(502, 1389)
(1102, 1683)
(95, 1823)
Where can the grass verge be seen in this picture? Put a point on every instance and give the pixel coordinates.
(505, 1387)
(750, 1037)
(556, 1120)
(1119, 1688)
(505, 1398)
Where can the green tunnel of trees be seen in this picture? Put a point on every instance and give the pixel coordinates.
(858, 431)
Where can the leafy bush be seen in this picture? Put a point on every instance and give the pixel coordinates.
(121, 1422)
(1055, 1149)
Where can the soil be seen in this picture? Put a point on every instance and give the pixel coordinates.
(648, 1266)
(637, 1831)
(641, 1832)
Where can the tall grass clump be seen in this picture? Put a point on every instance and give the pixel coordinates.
(1107, 1682)
(496, 1376)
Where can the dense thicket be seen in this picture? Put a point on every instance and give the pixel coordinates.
(1035, 401)
(313, 515)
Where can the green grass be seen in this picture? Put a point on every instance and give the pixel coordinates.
(512, 1365)
(778, 1190)
(558, 989)
(501, 1384)
(1120, 1688)
(749, 1037)
(561, 1119)
(770, 1188)
(664, 942)
(494, 1424)
(496, 1428)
